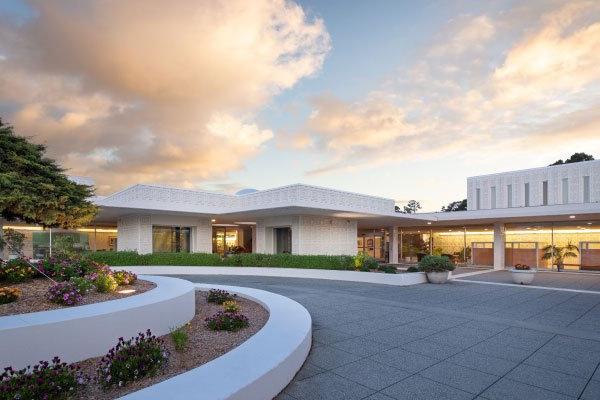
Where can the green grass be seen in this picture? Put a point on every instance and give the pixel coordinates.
(129, 258)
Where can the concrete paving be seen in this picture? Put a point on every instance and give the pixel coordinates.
(564, 280)
(454, 341)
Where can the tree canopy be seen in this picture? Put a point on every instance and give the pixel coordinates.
(411, 207)
(34, 188)
(459, 205)
(575, 157)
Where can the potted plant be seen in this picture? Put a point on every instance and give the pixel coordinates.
(522, 274)
(557, 254)
(437, 268)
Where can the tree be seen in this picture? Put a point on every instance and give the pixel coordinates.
(411, 207)
(575, 157)
(558, 254)
(34, 188)
(459, 205)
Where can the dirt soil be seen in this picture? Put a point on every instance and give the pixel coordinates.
(33, 296)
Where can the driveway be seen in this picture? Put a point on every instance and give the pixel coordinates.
(455, 341)
(565, 280)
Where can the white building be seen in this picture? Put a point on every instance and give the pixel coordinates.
(512, 218)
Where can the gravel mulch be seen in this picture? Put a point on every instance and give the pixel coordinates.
(204, 345)
(33, 296)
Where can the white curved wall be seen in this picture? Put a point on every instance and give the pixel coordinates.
(77, 333)
(258, 369)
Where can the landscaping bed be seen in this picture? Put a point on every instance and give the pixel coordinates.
(33, 296)
(221, 323)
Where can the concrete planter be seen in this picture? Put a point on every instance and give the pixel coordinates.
(522, 277)
(438, 277)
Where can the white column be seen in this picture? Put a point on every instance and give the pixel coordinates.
(499, 245)
(393, 251)
(253, 238)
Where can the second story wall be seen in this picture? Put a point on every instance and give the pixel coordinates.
(574, 183)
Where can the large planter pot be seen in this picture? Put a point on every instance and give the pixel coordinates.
(522, 276)
(438, 277)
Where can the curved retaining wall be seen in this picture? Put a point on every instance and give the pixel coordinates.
(81, 332)
(258, 369)
(402, 279)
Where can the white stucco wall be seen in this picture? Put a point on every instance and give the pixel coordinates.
(310, 234)
(535, 177)
(135, 231)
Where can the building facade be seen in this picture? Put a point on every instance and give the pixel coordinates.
(524, 217)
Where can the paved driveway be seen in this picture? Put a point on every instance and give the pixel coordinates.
(454, 341)
(566, 280)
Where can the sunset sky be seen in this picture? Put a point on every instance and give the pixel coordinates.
(402, 99)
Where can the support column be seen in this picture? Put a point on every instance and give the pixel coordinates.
(393, 250)
(499, 245)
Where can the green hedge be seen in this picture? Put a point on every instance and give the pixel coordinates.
(125, 258)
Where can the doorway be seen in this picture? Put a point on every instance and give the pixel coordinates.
(283, 240)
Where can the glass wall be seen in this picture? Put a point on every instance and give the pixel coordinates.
(565, 245)
(373, 243)
(38, 241)
(170, 239)
(232, 239)
(471, 245)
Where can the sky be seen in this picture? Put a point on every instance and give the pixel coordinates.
(401, 99)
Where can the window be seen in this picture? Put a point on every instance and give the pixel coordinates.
(545, 193)
(565, 190)
(509, 196)
(586, 189)
(527, 195)
(170, 239)
(478, 199)
(493, 195)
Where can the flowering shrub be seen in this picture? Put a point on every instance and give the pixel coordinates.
(219, 296)
(105, 283)
(65, 293)
(125, 277)
(231, 306)
(131, 360)
(522, 267)
(45, 380)
(226, 321)
(83, 284)
(9, 294)
(63, 269)
(17, 270)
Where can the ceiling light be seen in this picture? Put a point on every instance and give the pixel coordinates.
(572, 216)
(213, 220)
(429, 223)
(589, 223)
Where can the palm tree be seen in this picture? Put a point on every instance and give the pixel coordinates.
(558, 254)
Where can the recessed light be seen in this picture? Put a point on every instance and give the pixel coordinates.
(429, 223)
(213, 220)
(589, 223)
(572, 216)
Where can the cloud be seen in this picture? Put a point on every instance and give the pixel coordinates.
(462, 100)
(138, 92)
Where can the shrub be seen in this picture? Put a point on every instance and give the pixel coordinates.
(82, 284)
(226, 321)
(522, 267)
(435, 264)
(65, 269)
(17, 270)
(131, 360)
(219, 296)
(359, 260)
(65, 293)
(105, 283)
(9, 294)
(371, 263)
(412, 268)
(125, 258)
(180, 338)
(231, 306)
(50, 381)
(388, 269)
(124, 277)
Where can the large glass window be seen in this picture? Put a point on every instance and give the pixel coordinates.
(170, 239)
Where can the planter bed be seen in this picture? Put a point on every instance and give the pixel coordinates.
(203, 346)
(33, 297)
